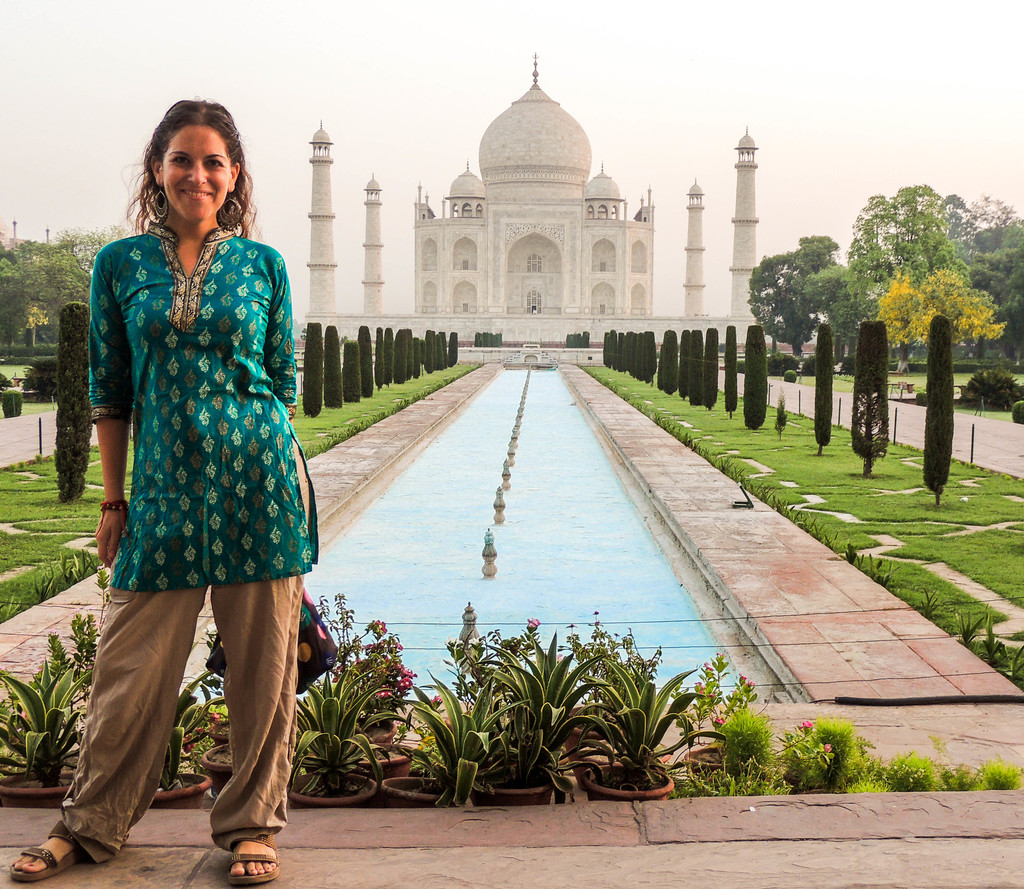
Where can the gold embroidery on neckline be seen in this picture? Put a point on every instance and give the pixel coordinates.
(188, 289)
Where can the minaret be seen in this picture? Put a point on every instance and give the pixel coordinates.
(321, 229)
(694, 304)
(744, 247)
(373, 273)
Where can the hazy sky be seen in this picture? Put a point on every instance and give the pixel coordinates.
(843, 100)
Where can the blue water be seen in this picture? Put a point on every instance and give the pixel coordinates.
(572, 543)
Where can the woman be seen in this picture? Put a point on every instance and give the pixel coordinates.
(191, 337)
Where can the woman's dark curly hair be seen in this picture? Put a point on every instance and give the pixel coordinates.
(194, 112)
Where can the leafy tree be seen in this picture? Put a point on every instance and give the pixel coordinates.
(731, 387)
(938, 418)
(823, 373)
(365, 361)
(905, 233)
(683, 379)
(378, 359)
(710, 383)
(44, 277)
(83, 244)
(907, 309)
(313, 371)
(74, 413)
(696, 385)
(842, 306)
(870, 425)
(668, 365)
(780, 298)
(42, 378)
(352, 385)
(755, 378)
(1001, 275)
(453, 348)
(333, 392)
(389, 356)
(982, 227)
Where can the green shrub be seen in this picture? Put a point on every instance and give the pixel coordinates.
(810, 365)
(825, 755)
(12, 400)
(313, 371)
(365, 361)
(789, 376)
(911, 773)
(710, 375)
(997, 387)
(999, 775)
(351, 372)
(779, 362)
(74, 412)
(731, 391)
(868, 785)
(1018, 412)
(440, 351)
(41, 378)
(921, 398)
(755, 381)
(333, 396)
(958, 779)
(748, 742)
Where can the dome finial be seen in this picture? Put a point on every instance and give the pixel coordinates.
(602, 168)
(536, 85)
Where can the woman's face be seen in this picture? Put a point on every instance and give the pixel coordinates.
(197, 175)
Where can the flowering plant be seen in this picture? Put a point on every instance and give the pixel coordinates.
(713, 704)
(371, 657)
(823, 755)
(609, 647)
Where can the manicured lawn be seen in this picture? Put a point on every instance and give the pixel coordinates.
(893, 502)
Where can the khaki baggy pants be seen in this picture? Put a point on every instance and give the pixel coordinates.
(140, 663)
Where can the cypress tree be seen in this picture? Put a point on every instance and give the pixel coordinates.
(938, 417)
(453, 349)
(389, 356)
(823, 372)
(696, 384)
(409, 355)
(313, 371)
(352, 386)
(74, 411)
(417, 357)
(378, 358)
(683, 374)
(440, 352)
(620, 351)
(428, 351)
(365, 361)
(711, 369)
(755, 378)
(608, 351)
(731, 384)
(402, 346)
(630, 357)
(669, 364)
(586, 339)
(650, 356)
(333, 395)
(870, 425)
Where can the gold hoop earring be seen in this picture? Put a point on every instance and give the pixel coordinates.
(230, 213)
(161, 206)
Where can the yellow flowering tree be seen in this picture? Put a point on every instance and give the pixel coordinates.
(908, 309)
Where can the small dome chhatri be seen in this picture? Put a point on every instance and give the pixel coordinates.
(695, 189)
(603, 186)
(373, 184)
(746, 141)
(467, 185)
(320, 137)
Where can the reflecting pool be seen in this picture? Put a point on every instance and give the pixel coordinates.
(572, 546)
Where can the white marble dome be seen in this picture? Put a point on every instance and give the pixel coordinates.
(535, 139)
(373, 184)
(746, 141)
(604, 187)
(321, 136)
(467, 185)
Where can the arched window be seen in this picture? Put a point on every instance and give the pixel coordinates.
(638, 300)
(533, 302)
(455, 210)
(602, 211)
(429, 255)
(467, 209)
(534, 263)
(615, 211)
(430, 297)
(479, 209)
(464, 255)
(639, 257)
(603, 256)
(590, 211)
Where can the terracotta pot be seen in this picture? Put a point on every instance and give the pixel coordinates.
(706, 759)
(217, 763)
(514, 796)
(407, 793)
(395, 766)
(188, 796)
(15, 793)
(300, 800)
(383, 733)
(600, 792)
(219, 736)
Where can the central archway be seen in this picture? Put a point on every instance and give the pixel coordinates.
(534, 283)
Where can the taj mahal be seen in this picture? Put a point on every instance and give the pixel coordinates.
(534, 247)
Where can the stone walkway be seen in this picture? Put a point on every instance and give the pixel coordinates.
(20, 437)
(815, 608)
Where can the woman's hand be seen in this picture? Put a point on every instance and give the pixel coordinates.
(108, 535)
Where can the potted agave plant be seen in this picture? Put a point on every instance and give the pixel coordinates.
(335, 763)
(180, 787)
(39, 738)
(462, 753)
(630, 737)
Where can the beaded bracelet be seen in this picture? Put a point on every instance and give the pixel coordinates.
(115, 505)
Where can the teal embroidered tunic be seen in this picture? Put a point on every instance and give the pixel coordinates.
(205, 365)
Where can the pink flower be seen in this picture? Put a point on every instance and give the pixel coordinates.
(718, 720)
(806, 726)
(533, 623)
(828, 748)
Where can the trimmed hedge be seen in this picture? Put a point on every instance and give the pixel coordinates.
(313, 371)
(74, 412)
(333, 395)
(1018, 412)
(351, 373)
(12, 400)
(365, 361)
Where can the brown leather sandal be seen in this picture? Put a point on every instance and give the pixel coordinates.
(54, 865)
(244, 858)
